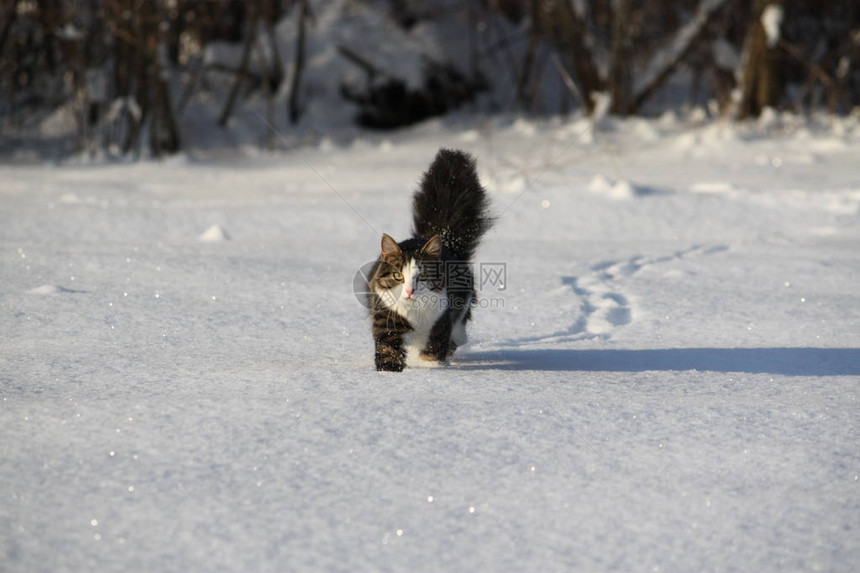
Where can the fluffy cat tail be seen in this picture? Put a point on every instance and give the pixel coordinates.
(452, 203)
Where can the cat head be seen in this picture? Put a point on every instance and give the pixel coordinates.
(408, 274)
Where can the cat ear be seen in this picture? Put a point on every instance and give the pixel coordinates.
(390, 248)
(433, 247)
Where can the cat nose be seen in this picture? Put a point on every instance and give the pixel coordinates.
(409, 292)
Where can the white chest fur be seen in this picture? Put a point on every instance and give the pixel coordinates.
(422, 315)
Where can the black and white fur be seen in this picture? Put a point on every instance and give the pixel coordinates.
(420, 291)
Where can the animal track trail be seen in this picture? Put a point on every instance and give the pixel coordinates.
(604, 307)
(609, 270)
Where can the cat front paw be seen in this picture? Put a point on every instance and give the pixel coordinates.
(389, 366)
(430, 360)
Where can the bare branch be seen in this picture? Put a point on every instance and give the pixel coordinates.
(666, 61)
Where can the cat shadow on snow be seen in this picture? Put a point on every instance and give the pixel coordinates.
(784, 361)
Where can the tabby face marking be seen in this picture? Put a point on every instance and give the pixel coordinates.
(405, 285)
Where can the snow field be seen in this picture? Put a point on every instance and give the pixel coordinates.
(670, 385)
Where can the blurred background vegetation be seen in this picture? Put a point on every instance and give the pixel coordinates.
(153, 77)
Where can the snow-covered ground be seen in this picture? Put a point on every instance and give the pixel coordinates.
(668, 381)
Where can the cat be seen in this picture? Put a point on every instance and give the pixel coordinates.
(421, 291)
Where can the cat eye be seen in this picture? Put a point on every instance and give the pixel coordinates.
(398, 276)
